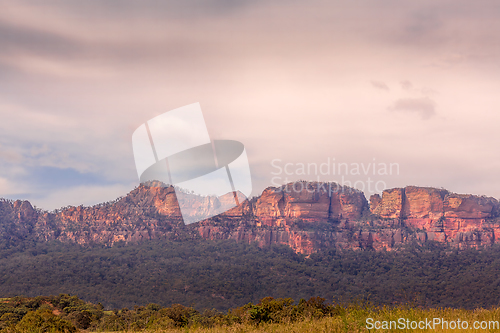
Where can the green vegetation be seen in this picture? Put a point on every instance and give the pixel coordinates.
(225, 274)
(68, 314)
(63, 314)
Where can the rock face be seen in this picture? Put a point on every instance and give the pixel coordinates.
(420, 202)
(438, 215)
(307, 216)
(390, 205)
(469, 206)
(425, 202)
(270, 204)
(310, 201)
(352, 204)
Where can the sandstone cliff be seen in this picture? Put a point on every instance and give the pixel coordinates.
(305, 216)
(436, 214)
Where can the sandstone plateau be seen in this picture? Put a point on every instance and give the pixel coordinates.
(306, 216)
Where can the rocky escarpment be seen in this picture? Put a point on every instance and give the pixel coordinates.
(310, 201)
(439, 215)
(305, 216)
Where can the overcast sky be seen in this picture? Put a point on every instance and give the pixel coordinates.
(416, 83)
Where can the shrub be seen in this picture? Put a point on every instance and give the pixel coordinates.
(272, 310)
(179, 314)
(44, 321)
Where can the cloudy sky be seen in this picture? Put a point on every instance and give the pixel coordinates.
(412, 83)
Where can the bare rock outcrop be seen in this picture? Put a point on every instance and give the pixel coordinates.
(307, 216)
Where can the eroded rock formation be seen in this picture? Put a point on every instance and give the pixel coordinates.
(305, 216)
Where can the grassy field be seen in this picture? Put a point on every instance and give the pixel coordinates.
(69, 314)
(355, 320)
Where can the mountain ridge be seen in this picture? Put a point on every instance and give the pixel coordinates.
(307, 216)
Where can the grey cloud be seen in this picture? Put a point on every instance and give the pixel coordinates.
(441, 24)
(191, 51)
(15, 39)
(422, 27)
(406, 85)
(66, 46)
(423, 23)
(379, 85)
(113, 9)
(425, 107)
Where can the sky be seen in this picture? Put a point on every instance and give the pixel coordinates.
(406, 86)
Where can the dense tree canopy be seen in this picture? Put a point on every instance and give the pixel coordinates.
(226, 274)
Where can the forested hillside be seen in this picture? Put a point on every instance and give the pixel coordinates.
(227, 274)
